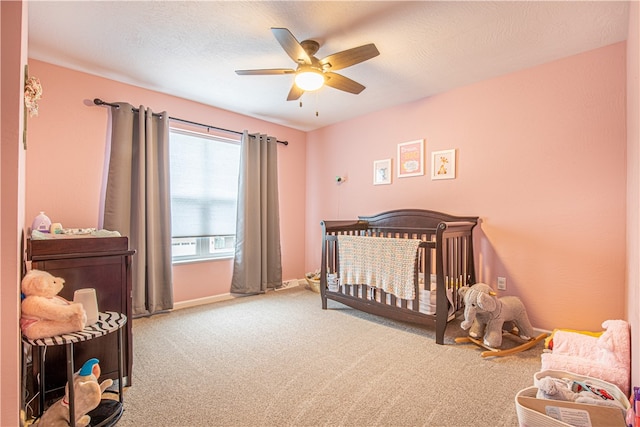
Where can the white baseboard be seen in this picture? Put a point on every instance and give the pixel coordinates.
(224, 297)
(202, 301)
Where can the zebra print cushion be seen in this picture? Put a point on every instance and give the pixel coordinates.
(107, 322)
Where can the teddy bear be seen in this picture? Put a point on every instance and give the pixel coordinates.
(485, 314)
(44, 312)
(87, 397)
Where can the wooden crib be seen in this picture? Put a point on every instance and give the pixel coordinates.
(443, 262)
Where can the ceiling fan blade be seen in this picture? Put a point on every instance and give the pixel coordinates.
(340, 82)
(290, 45)
(349, 57)
(294, 93)
(266, 71)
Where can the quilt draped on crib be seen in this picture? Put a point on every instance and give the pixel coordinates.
(382, 262)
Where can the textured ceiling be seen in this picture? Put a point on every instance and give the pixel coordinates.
(191, 49)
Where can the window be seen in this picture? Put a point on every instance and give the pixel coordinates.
(204, 189)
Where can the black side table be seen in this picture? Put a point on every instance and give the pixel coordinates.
(109, 411)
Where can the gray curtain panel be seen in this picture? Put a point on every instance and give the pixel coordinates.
(137, 202)
(257, 264)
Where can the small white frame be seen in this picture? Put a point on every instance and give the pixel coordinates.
(382, 172)
(443, 164)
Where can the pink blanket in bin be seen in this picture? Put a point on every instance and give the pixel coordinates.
(607, 357)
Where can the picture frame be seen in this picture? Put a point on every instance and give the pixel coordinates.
(443, 164)
(382, 172)
(411, 158)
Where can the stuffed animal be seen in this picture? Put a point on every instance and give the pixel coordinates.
(87, 397)
(44, 313)
(474, 321)
(575, 391)
(485, 314)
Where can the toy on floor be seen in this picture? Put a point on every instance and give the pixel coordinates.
(575, 391)
(44, 313)
(87, 392)
(606, 357)
(485, 316)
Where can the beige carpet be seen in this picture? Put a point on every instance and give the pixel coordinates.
(280, 360)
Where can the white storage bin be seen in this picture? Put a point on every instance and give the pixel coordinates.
(534, 412)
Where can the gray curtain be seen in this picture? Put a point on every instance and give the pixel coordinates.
(257, 264)
(137, 202)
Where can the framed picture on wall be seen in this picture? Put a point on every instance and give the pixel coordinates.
(382, 172)
(411, 158)
(443, 164)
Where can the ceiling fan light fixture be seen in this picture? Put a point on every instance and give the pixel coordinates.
(309, 79)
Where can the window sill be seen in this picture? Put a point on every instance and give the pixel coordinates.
(200, 260)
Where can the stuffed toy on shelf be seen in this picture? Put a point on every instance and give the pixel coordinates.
(45, 313)
(87, 393)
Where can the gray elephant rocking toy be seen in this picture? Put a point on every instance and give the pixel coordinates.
(485, 316)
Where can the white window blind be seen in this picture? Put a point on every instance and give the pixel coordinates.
(204, 189)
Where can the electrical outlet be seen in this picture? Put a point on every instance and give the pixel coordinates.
(502, 283)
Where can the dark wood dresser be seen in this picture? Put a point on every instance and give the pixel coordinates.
(102, 263)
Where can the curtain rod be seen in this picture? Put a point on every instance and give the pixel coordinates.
(99, 101)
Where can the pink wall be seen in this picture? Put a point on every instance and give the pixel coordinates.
(633, 183)
(540, 158)
(66, 156)
(13, 16)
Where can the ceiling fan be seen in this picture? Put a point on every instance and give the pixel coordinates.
(312, 73)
